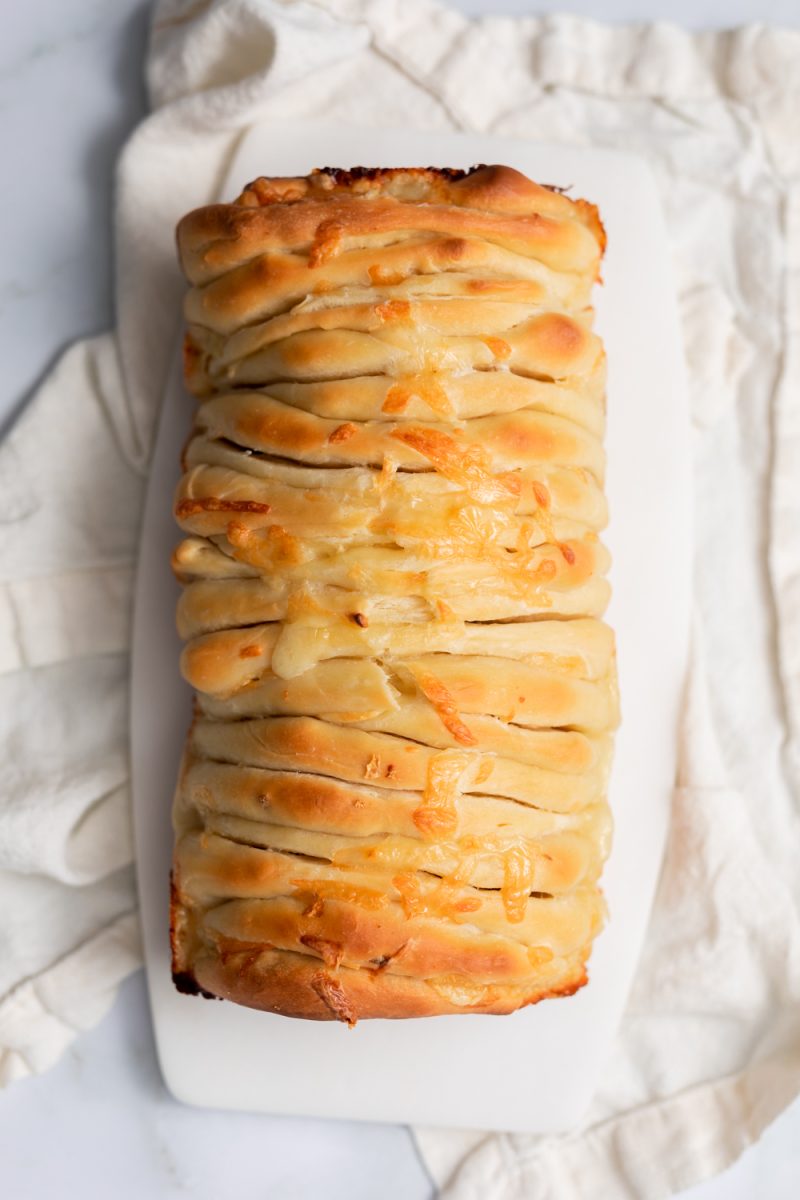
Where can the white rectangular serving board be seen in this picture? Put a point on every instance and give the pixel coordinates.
(535, 1070)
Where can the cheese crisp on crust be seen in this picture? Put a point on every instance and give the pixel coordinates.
(393, 796)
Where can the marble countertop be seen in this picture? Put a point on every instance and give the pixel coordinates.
(101, 1122)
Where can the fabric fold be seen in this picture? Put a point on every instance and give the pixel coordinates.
(40, 1018)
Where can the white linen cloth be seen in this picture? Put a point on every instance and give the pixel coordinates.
(709, 1049)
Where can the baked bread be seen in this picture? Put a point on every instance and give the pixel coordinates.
(393, 797)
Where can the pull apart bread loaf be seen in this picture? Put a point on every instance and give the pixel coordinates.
(393, 796)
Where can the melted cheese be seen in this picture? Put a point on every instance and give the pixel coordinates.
(437, 814)
(442, 700)
(517, 882)
(441, 900)
(468, 466)
(327, 243)
(314, 892)
(424, 387)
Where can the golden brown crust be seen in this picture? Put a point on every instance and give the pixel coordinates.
(393, 797)
(292, 986)
(497, 202)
